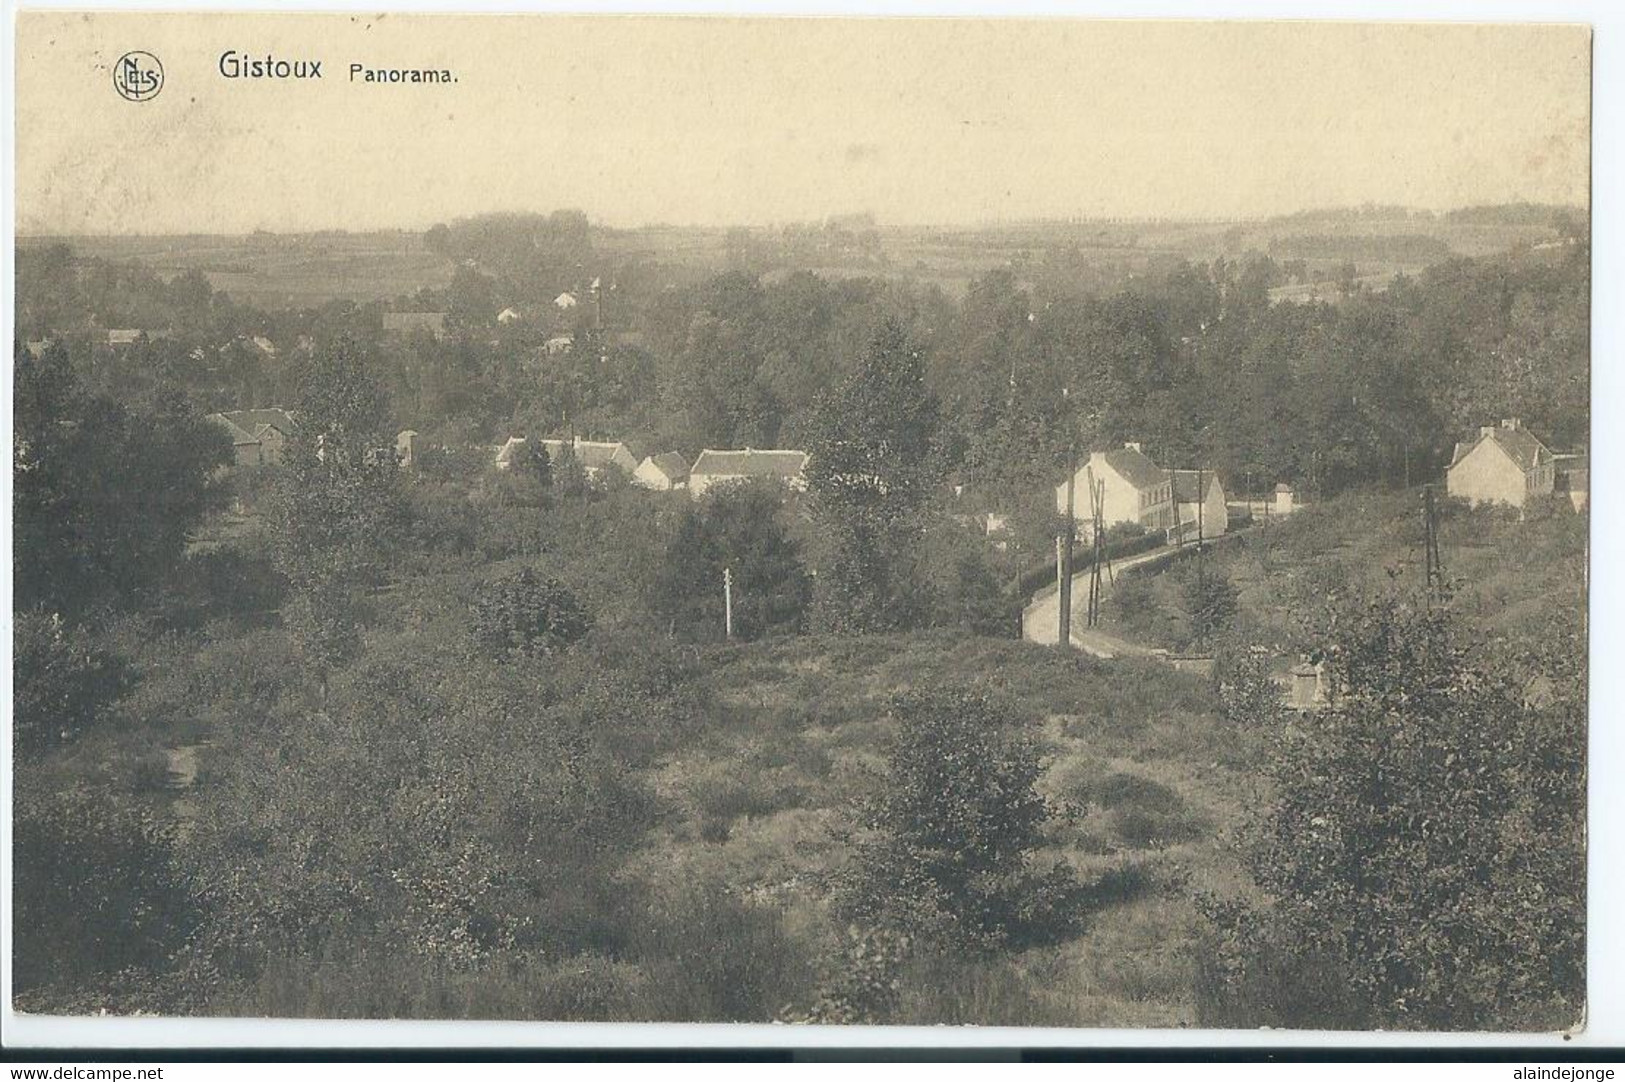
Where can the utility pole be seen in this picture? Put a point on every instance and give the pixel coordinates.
(1063, 561)
(1430, 518)
(728, 601)
(1097, 499)
(1201, 578)
(1063, 555)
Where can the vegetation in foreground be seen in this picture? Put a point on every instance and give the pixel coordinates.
(333, 738)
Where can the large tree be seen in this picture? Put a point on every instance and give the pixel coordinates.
(104, 492)
(870, 475)
(337, 504)
(736, 530)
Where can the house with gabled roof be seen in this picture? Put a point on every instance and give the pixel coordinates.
(1134, 489)
(594, 456)
(715, 468)
(1505, 464)
(258, 436)
(1199, 501)
(662, 472)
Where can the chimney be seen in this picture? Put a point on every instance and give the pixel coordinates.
(1513, 423)
(1486, 431)
(1135, 446)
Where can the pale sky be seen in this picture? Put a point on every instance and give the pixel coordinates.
(716, 122)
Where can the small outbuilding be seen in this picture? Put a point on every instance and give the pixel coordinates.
(662, 473)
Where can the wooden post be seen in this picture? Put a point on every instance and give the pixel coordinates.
(727, 600)
(1063, 562)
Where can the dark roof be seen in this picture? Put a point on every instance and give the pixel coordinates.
(246, 425)
(239, 435)
(750, 463)
(591, 454)
(275, 416)
(672, 464)
(1135, 468)
(1185, 484)
(1524, 450)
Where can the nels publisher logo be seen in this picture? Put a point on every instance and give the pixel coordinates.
(138, 76)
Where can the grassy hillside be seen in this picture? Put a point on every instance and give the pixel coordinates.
(1507, 575)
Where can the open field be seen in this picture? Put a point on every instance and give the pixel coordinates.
(281, 270)
(273, 270)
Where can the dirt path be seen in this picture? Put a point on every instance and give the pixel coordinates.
(1040, 620)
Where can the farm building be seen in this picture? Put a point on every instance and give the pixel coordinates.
(1135, 489)
(258, 436)
(406, 447)
(714, 468)
(1200, 502)
(510, 451)
(409, 323)
(662, 472)
(1573, 479)
(1504, 464)
(508, 315)
(565, 301)
(594, 456)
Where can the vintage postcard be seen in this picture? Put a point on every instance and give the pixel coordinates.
(900, 521)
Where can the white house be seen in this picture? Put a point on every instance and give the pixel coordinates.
(508, 452)
(257, 436)
(1135, 489)
(565, 301)
(662, 472)
(1503, 465)
(594, 456)
(406, 447)
(1200, 501)
(508, 315)
(714, 468)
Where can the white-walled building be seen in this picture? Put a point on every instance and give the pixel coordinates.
(1135, 489)
(1505, 464)
(715, 468)
(662, 472)
(1200, 501)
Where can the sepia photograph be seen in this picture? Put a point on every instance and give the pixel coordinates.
(931, 521)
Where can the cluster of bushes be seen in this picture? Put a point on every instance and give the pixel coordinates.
(1423, 856)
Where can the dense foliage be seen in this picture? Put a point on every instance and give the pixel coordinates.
(526, 612)
(946, 844)
(737, 530)
(104, 492)
(334, 737)
(1424, 851)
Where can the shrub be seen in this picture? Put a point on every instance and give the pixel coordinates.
(63, 681)
(950, 835)
(526, 612)
(1427, 833)
(95, 890)
(738, 531)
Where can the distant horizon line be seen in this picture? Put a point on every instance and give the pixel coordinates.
(992, 223)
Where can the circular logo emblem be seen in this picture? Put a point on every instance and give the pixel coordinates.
(138, 76)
